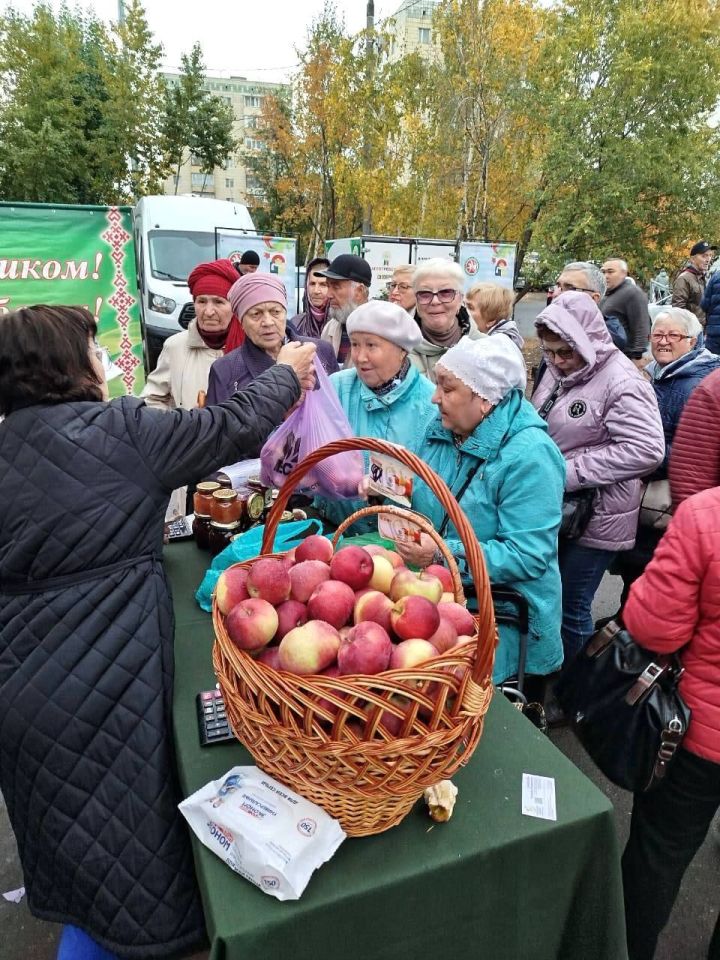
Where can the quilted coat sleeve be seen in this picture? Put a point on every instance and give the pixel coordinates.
(662, 610)
(183, 446)
(637, 440)
(695, 457)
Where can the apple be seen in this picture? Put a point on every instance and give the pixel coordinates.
(352, 565)
(305, 576)
(269, 580)
(395, 559)
(408, 584)
(460, 617)
(383, 573)
(291, 614)
(332, 709)
(464, 639)
(314, 547)
(310, 648)
(366, 650)
(390, 720)
(344, 631)
(443, 575)
(444, 637)
(410, 653)
(375, 607)
(270, 656)
(414, 617)
(332, 602)
(251, 624)
(375, 550)
(447, 598)
(231, 588)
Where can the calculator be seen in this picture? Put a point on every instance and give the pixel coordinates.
(213, 725)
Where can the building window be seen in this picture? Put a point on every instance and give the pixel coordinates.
(252, 144)
(229, 183)
(253, 101)
(251, 123)
(203, 181)
(424, 34)
(195, 160)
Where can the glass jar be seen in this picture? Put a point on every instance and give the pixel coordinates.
(201, 531)
(202, 504)
(226, 507)
(221, 534)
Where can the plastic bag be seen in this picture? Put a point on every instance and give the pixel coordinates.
(319, 419)
(247, 546)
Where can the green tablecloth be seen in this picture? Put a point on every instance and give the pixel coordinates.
(491, 883)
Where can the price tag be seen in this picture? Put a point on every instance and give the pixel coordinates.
(538, 797)
(398, 529)
(390, 478)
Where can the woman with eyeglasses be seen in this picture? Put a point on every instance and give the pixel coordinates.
(440, 312)
(400, 289)
(680, 361)
(603, 415)
(86, 629)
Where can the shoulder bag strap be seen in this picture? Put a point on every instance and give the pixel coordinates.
(545, 409)
(460, 494)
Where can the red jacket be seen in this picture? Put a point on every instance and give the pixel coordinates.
(676, 603)
(695, 457)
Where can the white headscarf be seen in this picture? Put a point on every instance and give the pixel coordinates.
(491, 366)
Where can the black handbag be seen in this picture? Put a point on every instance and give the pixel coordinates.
(577, 509)
(625, 708)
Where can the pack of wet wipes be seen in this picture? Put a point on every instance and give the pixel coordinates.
(263, 830)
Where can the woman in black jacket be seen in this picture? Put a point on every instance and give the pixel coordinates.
(86, 626)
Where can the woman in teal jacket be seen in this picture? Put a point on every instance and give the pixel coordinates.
(383, 394)
(493, 451)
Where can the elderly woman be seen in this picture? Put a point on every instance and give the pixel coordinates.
(490, 306)
(603, 415)
(443, 320)
(680, 361)
(184, 364)
(260, 300)
(400, 290)
(86, 629)
(383, 394)
(494, 452)
(311, 321)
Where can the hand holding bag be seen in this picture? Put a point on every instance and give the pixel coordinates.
(625, 708)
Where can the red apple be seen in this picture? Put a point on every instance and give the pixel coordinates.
(383, 573)
(270, 656)
(332, 602)
(314, 547)
(395, 559)
(447, 598)
(410, 653)
(460, 617)
(443, 575)
(305, 576)
(331, 671)
(231, 588)
(375, 550)
(366, 650)
(269, 580)
(291, 614)
(375, 607)
(352, 565)
(444, 637)
(310, 648)
(388, 719)
(465, 639)
(414, 617)
(251, 624)
(408, 584)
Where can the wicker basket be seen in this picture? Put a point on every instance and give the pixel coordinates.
(327, 737)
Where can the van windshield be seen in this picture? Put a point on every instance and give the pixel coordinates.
(175, 253)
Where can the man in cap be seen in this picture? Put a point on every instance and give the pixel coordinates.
(349, 278)
(689, 285)
(249, 262)
(625, 301)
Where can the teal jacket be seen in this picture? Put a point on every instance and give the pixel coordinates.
(514, 504)
(396, 417)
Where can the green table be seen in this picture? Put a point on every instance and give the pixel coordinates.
(491, 884)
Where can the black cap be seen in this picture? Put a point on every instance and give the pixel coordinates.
(348, 267)
(702, 246)
(250, 257)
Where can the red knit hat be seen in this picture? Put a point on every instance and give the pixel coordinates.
(213, 279)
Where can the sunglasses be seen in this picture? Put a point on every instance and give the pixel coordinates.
(446, 295)
(562, 353)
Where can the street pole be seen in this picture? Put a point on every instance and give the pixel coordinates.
(121, 11)
(369, 84)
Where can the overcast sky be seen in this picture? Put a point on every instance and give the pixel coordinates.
(249, 38)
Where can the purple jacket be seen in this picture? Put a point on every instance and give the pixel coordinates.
(605, 420)
(240, 367)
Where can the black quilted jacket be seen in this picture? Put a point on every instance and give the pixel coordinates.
(86, 656)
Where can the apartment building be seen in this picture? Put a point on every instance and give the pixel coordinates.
(233, 181)
(411, 26)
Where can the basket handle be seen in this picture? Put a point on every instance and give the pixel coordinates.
(425, 526)
(473, 551)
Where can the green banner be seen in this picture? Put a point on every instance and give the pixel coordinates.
(77, 256)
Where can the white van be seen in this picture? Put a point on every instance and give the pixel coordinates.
(173, 235)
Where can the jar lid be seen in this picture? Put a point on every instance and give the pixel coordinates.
(225, 496)
(255, 505)
(207, 486)
(225, 526)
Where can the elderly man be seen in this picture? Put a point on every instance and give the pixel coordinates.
(628, 304)
(248, 263)
(689, 285)
(348, 278)
(585, 277)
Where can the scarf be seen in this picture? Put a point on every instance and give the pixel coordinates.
(393, 382)
(225, 340)
(447, 339)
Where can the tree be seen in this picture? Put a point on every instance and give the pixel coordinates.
(195, 120)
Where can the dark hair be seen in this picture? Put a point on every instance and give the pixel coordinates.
(44, 357)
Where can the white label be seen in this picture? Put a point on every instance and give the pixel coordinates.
(538, 797)
(390, 478)
(398, 529)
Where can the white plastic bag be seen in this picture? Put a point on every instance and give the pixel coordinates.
(263, 830)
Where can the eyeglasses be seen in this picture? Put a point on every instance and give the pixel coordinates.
(97, 351)
(670, 337)
(562, 353)
(446, 295)
(571, 288)
(402, 287)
